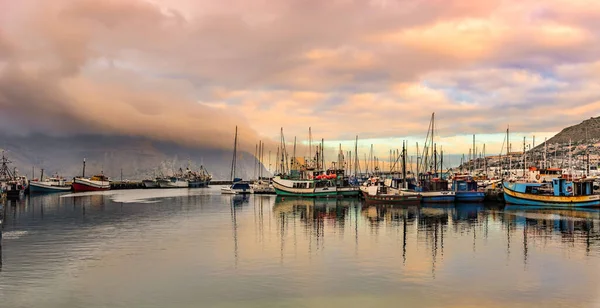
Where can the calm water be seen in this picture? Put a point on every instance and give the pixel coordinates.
(196, 248)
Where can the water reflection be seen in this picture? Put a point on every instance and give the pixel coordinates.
(199, 246)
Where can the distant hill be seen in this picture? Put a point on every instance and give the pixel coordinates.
(586, 131)
(138, 157)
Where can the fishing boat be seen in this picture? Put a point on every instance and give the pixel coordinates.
(13, 185)
(49, 185)
(198, 179)
(387, 195)
(432, 185)
(173, 182)
(466, 189)
(237, 185)
(150, 183)
(263, 187)
(319, 186)
(561, 192)
(98, 182)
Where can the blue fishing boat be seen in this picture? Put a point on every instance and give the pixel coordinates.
(466, 190)
(561, 192)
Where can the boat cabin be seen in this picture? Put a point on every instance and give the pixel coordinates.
(240, 186)
(558, 187)
(464, 183)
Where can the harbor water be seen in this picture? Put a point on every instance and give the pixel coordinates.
(198, 248)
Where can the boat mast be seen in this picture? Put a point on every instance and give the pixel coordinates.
(441, 163)
(323, 153)
(434, 160)
(418, 161)
(356, 157)
(255, 160)
(473, 156)
(524, 157)
(508, 151)
(233, 160)
(83, 168)
(404, 164)
(294, 161)
(546, 153)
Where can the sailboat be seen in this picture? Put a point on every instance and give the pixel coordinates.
(433, 188)
(237, 185)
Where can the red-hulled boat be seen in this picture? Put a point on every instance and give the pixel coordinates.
(96, 183)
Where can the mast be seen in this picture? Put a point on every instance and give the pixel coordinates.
(310, 147)
(356, 157)
(417, 161)
(524, 157)
(434, 160)
(508, 149)
(546, 153)
(323, 153)
(404, 182)
(485, 162)
(474, 155)
(255, 160)
(294, 161)
(83, 168)
(233, 160)
(441, 163)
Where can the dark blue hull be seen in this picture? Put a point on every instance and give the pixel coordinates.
(470, 196)
(198, 184)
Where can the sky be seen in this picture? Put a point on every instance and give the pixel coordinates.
(191, 70)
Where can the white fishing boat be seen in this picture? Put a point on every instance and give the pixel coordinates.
(49, 185)
(173, 182)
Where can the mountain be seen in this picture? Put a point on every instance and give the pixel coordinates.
(136, 157)
(587, 131)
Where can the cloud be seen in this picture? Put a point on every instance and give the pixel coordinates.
(191, 70)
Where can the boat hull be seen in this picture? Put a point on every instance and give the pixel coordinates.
(228, 191)
(470, 196)
(80, 185)
(150, 184)
(405, 199)
(169, 184)
(348, 191)
(41, 188)
(198, 184)
(281, 189)
(518, 198)
(438, 197)
(15, 194)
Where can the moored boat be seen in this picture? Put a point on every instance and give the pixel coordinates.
(263, 187)
(173, 182)
(13, 185)
(238, 187)
(304, 187)
(388, 195)
(466, 189)
(559, 193)
(197, 179)
(98, 182)
(49, 185)
(150, 183)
